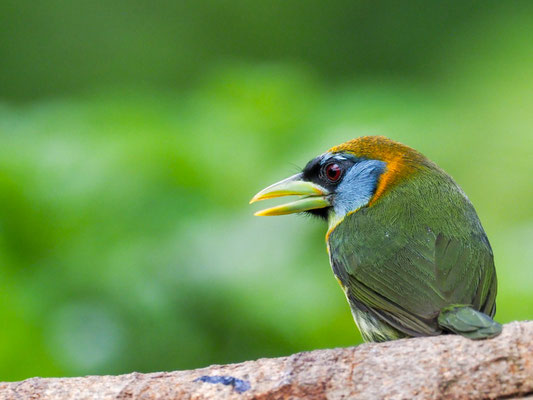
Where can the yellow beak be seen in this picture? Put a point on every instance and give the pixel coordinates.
(315, 196)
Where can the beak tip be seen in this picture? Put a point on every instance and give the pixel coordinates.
(314, 196)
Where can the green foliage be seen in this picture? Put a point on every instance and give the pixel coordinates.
(126, 238)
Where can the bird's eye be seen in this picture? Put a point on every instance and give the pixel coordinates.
(333, 172)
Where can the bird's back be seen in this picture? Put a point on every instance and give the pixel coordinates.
(414, 252)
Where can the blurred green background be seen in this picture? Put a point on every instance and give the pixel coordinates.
(133, 134)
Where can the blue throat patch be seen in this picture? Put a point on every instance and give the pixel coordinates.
(357, 187)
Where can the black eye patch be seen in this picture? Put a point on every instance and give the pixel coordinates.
(315, 170)
(312, 169)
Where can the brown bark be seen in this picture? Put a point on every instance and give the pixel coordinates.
(443, 367)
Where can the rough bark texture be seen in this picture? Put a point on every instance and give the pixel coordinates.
(443, 367)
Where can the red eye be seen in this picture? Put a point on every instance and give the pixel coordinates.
(333, 172)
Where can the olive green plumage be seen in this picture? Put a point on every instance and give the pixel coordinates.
(416, 251)
(404, 241)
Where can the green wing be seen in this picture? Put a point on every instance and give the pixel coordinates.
(405, 275)
(468, 322)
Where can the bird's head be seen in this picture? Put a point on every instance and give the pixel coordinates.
(346, 178)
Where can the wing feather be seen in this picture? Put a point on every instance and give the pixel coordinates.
(406, 279)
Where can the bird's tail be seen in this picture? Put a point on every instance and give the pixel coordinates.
(466, 321)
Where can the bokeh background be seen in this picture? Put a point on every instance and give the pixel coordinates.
(133, 134)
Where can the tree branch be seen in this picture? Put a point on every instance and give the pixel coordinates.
(443, 367)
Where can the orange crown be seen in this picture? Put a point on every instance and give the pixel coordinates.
(402, 161)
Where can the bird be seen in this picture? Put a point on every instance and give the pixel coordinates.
(404, 241)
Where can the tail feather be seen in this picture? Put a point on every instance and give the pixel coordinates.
(464, 320)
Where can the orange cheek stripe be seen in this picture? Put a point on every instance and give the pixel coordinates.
(396, 171)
